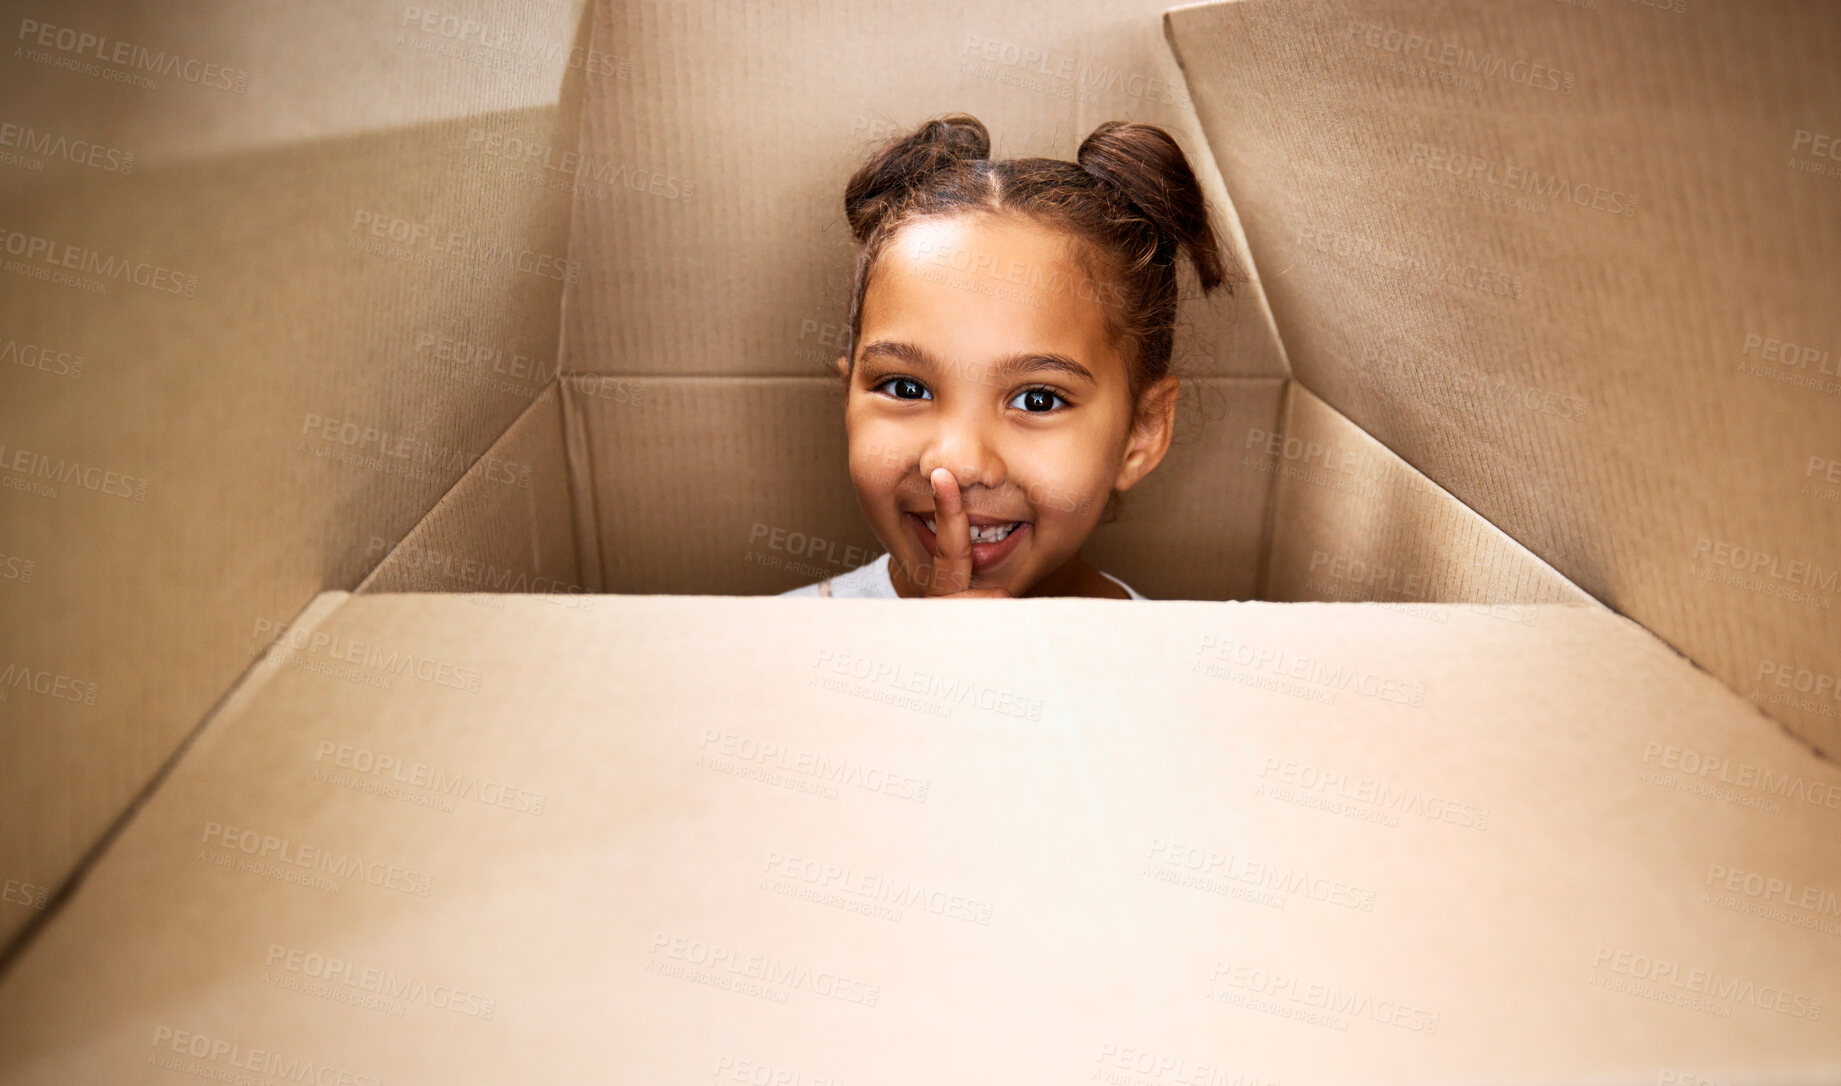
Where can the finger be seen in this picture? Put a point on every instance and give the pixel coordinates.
(981, 593)
(952, 536)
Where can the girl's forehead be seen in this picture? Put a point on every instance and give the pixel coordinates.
(994, 243)
(972, 287)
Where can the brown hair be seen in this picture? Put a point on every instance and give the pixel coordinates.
(1131, 200)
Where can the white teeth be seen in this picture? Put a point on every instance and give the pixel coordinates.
(992, 534)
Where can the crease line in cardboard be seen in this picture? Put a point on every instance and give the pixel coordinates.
(1268, 531)
(1229, 211)
(451, 495)
(584, 507)
(253, 678)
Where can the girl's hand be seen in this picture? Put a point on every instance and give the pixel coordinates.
(951, 572)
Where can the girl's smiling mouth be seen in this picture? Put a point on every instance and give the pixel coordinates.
(993, 540)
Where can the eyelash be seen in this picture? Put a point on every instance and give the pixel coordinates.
(1065, 401)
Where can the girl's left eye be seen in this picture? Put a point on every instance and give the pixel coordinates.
(906, 388)
(1038, 401)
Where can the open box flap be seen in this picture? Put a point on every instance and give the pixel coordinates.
(281, 292)
(1576, 263)
(1306, 843)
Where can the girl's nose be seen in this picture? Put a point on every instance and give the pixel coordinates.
(965, 445)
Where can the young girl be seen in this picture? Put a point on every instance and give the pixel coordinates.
(1010, 336)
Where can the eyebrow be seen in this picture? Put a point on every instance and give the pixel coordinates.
(919, 357)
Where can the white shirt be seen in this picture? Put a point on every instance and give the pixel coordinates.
(871, 581)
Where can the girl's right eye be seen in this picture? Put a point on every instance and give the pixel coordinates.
(906, 388)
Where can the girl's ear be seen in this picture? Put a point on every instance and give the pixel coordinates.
(1153, 424)
(843, 366)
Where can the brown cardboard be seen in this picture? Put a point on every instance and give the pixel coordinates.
(490, 537)
(761, 499)
(1552, 826)
(690, 407)
(734, 258)
(1352, 521)
(1598, 370)
(193, 502)
(1195, 528)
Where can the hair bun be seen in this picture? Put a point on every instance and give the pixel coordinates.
(1146, 167)
(905, 162)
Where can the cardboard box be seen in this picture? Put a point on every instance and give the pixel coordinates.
(181, 471)
(703, 839)
(1443, 381)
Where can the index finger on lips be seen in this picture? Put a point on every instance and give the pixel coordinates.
(952, 566)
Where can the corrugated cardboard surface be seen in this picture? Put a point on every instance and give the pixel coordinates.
(681, 839)
(729, 255)
(184, 471)
(1577, 264)
(1352, 521)
(1195, 529)
(712, 486)
(488, 537)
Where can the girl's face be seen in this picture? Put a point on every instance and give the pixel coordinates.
(984, 351)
